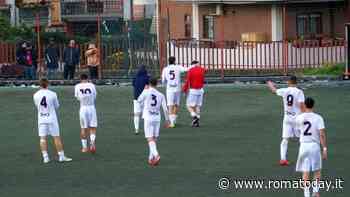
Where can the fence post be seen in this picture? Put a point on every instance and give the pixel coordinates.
(347, 51)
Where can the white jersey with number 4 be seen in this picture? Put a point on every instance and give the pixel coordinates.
(46, 103)
(310, 125)
(152, 101)
(292, 97)
(171, 75)
(86, 94)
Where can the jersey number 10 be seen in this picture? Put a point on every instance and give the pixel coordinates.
(85, 91)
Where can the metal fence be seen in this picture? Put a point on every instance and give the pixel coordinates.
(258, 56)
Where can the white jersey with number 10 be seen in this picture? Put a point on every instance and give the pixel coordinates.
(86, 94)
(46, 102)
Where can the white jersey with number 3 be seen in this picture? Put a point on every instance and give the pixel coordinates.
(310, 125)
(292, 97)
(46, 103)
(171, 75)
(86, 94)
(152, 100)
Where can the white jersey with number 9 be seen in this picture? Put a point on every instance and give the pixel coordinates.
(292, 97)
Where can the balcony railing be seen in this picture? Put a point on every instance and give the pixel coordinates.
(86, 8)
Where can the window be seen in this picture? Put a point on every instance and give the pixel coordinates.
(208, 27)
(188, 26)
(309, 24)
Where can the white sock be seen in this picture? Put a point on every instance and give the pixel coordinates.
(153, 148)
(45, 154)
(175, 117)
(284, 148)
(198, 110)
(193, 114)
(172, 119)
(84, 143)
(92, 138)
(316, 187)
(306, 192)
(61, 154)
(136, 122)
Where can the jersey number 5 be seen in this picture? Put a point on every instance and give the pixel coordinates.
(290, 100)
(172, 74)
(154, 99)
(43, 102)
(306, 132)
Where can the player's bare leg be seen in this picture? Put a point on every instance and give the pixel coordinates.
(283, 152)
(84, 141)
(43, 148)
(137, 122)
(92, 139)
(306, 184)
(59, 148)
(193, 112)
(172, 115)
(153, 158)
(316, 188)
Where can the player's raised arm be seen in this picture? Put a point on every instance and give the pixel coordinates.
(301, 100)
(323, 143)
(142, 97)
(271, 86)
(55, 102)
(166, 113)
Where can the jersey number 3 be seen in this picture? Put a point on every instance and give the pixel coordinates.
(154, 99)
(43, 102)
(306, 132)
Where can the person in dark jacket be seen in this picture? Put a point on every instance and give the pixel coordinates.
(26, 57)
(139, 83)
(71, 58)
(52, 55)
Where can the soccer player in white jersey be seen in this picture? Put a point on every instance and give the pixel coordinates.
(171, 76)
(85, 92)
(293, 100)
(46, 103)
(153, 100)
(312, 134)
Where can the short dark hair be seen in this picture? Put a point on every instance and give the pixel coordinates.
(83, 77)
(172, 60)
(293, 79)
(44, 83)
(194, 62)
(309, 102)
(153, 82)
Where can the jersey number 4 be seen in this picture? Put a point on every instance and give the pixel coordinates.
(306, 132)
(43, 102)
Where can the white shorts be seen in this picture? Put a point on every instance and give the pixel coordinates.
(51, 129)
(173, 98)
(137, 107)
(309, 158)
(194, 99)
(151, 129)
(88, 117)
(289, 129)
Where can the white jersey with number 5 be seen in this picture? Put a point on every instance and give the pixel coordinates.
(46, 103)
(152, 100)
(171, 75)
(292, 97)
(310, 125)
(86, 94)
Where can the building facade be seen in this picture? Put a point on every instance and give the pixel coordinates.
(271, 20)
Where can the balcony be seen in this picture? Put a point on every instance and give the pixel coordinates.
(82, 10)
(4, 5)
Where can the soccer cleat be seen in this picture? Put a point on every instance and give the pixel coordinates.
(172, 126)
(195, 122)
(84, 150)
(93, 149)
(284, 162)
(46, 160)
(65, 159)
(136, 131)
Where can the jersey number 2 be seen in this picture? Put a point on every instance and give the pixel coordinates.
(43, 102)
(154, 99)
(306, 132)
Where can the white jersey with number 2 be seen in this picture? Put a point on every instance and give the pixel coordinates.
(292, 97)
(46, 103)
(310, 125)
(152, 100)
(171, 75)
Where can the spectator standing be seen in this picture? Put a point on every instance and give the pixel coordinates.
(71, 57)
(52, 56)
(93, 60)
